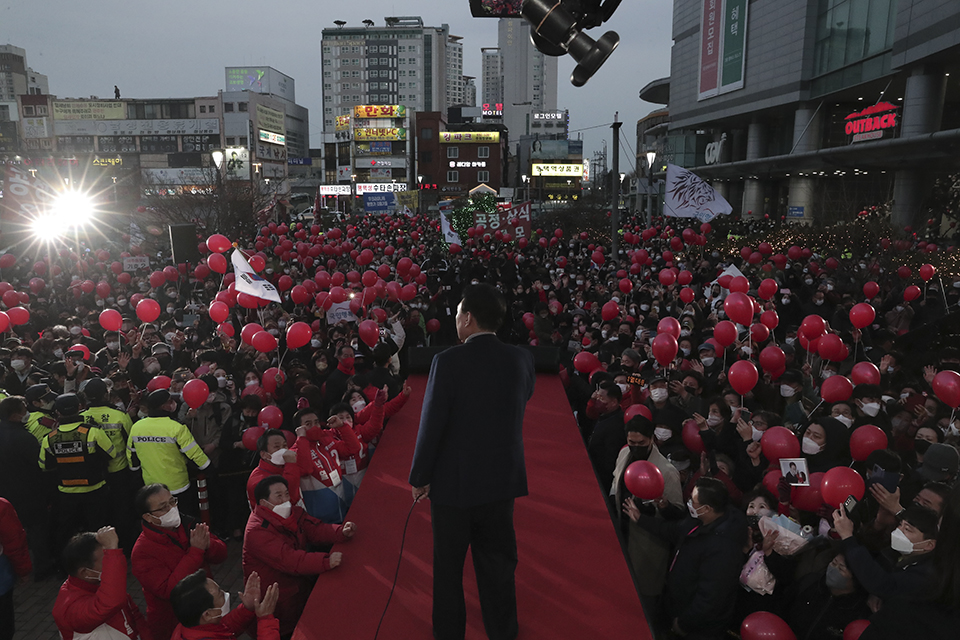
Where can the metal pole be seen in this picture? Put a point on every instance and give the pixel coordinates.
(649, 196)
(615, 189)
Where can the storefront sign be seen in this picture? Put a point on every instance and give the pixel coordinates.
(380, 133)
(82, 110)
(379, 111)
(272, 138)
(732, 53)
(379, 187)
(494, 110)
(469, 136)
(476, 164)
(711, 154)
(108, 162)
(549, 115)
(343, 123)
(304, 162)
(575, 170)
(334, 189)
(710, 28)
(237, 163)
(872, 123)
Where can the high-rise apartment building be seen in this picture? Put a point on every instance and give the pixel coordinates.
(454, 71)
(17, 79)
(469, 91)
(401, 63)
(529, 77)
(492, 80)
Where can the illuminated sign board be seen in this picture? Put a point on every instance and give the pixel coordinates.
(380, 187)
(343, 123)
(586, 171)
(379, 111)
(334, 189)
(549, 115)
(475, 164)
(494, 110)
(469, 136)
(272, 138)
(89, 110)
(380, 133)
(871, 123)
(574, 170)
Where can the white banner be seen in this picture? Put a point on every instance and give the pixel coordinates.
(446, 209)
(136, 127)
(688, 196)
(340, 311)
(249, 282)
(334, 189)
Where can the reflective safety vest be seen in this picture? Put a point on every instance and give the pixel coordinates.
(116, 424)
(40, 424)
(160, 446)
(79, 454)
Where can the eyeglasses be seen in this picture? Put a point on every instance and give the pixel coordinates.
(170, 504)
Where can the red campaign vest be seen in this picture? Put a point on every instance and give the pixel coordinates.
(326, 463)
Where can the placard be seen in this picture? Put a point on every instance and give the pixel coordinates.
(136, 262)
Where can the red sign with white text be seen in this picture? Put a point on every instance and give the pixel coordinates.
(872, 123)
(710, 29)
(514, 220)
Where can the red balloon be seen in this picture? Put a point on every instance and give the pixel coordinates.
(831, 347)
(836, 389)
(609, 311)
(148, 309)
(904, 272)
(217, 262)
(157, 278)
(911, 293)
(249, 330)
(684, 277)
(111, 320)
(739, 284)
(855, 629)
(691, 437)
(667, 277)
(768, 288)
(743, 376)
(284, 283)
(635, 410)
(779, 442)
(369, 332)
(270, 417)
(926, 272)
(739, 308)
(664, 348)
(257, 262)
(808, 498)
(87, 286)
(263, 342)
(686, 294)
(865, 373)
(226, 329)
(770, 319)
(865, 440)
(840, 482)
(813, 327)
(946, 385)
(644, 480)
(195, 393)
(626, 285)
(250, 437)
(218, 243)
(763, 625)
(300, 295)
(272, 378)
(159, 382)
(772, 359)
(759, 332)
(862, 314)
(298, 335)
(597, 258)
(433, 325)
(586, 362)
(338, 295)
(771, 479)
(669, 325)
(725, 333)
(4, 322)
(7, 260)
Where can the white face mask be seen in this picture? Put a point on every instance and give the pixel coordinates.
(900, 543)
(685, 352)
(96, 572)
(603, 334)
(827, 374)
(713, 421)
(790, 341)
(221, 382)
(169, 336)
(645, 307)
(757, 434)
(225, 609)
(277, 457)
(847, 422)
(658, 395)
(18, 365)
(112, 346)
(315, 343)
(283, 510)
(871, 408)
(624, 389)
(58, 353)
(662, 434)
(171, 519)
(75, 331)
(784, 300)
(358, 406)
(694, 513)
(809, 447)
(707, 360)
(746, 350)
(787, 391)
(250, 383)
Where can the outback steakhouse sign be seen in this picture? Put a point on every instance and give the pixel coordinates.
(872, 122)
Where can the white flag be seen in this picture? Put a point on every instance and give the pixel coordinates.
(449, 235)
(249, 282)
(688, 196)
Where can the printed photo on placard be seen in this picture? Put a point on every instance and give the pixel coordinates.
(794, 470)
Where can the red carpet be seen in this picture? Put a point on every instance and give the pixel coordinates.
(572, 579)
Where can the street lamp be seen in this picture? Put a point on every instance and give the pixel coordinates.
(651, 156)
(526, 189)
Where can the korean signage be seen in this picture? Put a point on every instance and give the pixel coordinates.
(237, 161)
(469, 136)
(723, 36)
(334, 189)
(379, 111)
(35, 128)
(515, 220)
(270, 119)
(379, 202)
(492, 110)
(549, 115)
(374, 149)
(305, 162)
(586, 171)
(82, 110)
(260, 80)
(136, 127)
(385, 162)
(873, 123)
(381, 173)
(379, 187)
(272, 138)
(136, 262)
(276, 154)
(107, 162)
(344, 173)
(343, 123)
(475, 164)
(380, 133)
(184, 176)
(574, 170)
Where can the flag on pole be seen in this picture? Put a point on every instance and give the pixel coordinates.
(248, 281)
(316, 204)
(688, 196)
(446, 210)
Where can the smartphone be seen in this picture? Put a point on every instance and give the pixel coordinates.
(850, 507)
(887, 480)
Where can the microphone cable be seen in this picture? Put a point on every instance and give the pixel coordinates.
(396, 574)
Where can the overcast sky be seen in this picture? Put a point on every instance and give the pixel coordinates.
(179, 48)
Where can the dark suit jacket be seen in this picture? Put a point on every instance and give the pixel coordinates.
(470, 444)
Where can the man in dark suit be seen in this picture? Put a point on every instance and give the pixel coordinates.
(469, 460)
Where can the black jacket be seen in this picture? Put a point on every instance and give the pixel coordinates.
(607, 439)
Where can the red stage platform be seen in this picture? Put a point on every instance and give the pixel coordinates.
(572, 579)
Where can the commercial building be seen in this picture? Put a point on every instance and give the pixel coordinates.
(454, 70)
(469, 91)
(813, 109)
(491, 68)
(529, 78)
(16, 79)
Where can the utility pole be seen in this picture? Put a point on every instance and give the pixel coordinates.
(615, 190)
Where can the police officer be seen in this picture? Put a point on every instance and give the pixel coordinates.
(40, 399)
(159, 445)
(78, 453)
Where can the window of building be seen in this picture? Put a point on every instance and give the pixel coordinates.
(401, 48)
(213, 108)
(453, 152)
(228, 107)
(41, 109)
(28, 110)
(483, 152)
(327, 74)
(412, 72)
(426, 133)
(242, 107)
(355, 74)
(483, 176)
(413, 85)
(203, 108)
(231, 141)
(453, 176)
(402, 73)
(242, 140)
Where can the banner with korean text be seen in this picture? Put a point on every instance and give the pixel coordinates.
(515, 220)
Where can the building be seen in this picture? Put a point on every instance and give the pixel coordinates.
(492, 81)
(454, 70)
(16, 79)
(813, 110)
(403, 62)
(528, 77)
(469, 91)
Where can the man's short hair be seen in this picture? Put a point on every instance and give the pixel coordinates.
(298, 416)
(78, 554)
(190, 598)
(486, 304)
(612, 389)
(924, 520)
(12, 405)
(262, 490)
(142, 502)
(251, 401)
(713, 493)
(641, 425)
(381, 355)
(342, 407)
(264, 438)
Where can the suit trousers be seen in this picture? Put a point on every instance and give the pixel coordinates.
(487, 530)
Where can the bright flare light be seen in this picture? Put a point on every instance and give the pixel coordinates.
(73, 208)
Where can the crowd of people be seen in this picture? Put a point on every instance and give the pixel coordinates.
(153, 441)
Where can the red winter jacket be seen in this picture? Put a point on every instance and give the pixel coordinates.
(276, 549)
(13, 539)
(231, 626)
(84, 607)
(289, 472)
(163, 557)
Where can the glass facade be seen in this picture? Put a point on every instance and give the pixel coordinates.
(854, 38)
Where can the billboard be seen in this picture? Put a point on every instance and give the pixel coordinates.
(260, 80)
(380, 187)
(723, 39)
(374, 149)
(379, 111)
(202, 126)
(272, 138)
(549, 115)
(343, 123)
(237, 163)
(469, 136)
(8, 136)
(380, 133)
(270, 119)
(558, 169)
(84, 110)
(334, 189)
(379, 202)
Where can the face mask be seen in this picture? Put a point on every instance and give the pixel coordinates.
(685, 352)
(713, 421)
(277, 457)
(847, 422)
(322, 366)
(347, 362)
(808, 281)
(952, 430)
(58, 353)
(785, 300)
(790, 341)
(75, 331)
(836, 580)
(658, 395)
(746, 350)
(178, 395)
(315, 343)
(818, 302)
(787, 391)
(97, 578)
(871, 408)
(358, 405)
(113, 346)
(809, 447)
(900, 543)
(274, 332)
(684, 332)
(829, 287)
(662, 434)
(757, 434)
(283, 510)
(899, 307)
(169, 336)
(645, 307)
(603, 334)
(891, 369)
(221, 381)
(707, 360)
(225, 609)
(18, 365)
(122, 302)
(921, 446)
(153, 368)
(694, 513)
(171, 519)
(639, 453)
(828, 374)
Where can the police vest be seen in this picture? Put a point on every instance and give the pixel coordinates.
(78, 464)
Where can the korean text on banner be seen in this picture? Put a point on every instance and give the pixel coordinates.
(688, 196)
(249, 282)
(710, 41)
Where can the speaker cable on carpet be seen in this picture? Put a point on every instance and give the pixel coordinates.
(396, 574)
